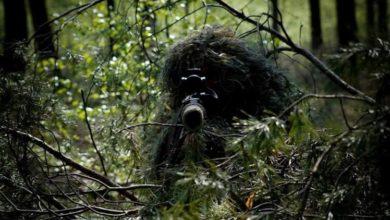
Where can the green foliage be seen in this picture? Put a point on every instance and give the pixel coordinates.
(116, 61)
(262, 137)
(302, 129)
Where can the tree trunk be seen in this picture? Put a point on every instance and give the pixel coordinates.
(43, 34)
(15, 23)
(346, 21)
(382, 19)
(275, 25)
(315, 21)
(370, 20)
(110, 9)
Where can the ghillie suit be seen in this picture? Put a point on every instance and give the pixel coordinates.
(242, 83)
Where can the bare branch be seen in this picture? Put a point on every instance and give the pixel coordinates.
(78, 10)
(331, 145)
(69, 161)
(85, 100)
(150, 124)
(344, 114)
(302, 51)
(319, 96)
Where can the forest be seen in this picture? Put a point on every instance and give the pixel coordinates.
(194, 109)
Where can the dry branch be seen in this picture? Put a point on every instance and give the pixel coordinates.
(68, 161)
(321, 96)
(299, 50)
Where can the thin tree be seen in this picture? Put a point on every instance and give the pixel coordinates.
(43, 34)
(346, 21)
(15, 23)
(370, 19)
(382, 19)
(110, 9)
(275, 25)
(315, 22)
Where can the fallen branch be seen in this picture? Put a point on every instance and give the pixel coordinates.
(69, 161)
(71, 211)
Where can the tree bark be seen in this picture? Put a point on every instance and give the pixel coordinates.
(110, 9)
(15, 23)
(315, 21)
(382, 19)
(43, 35)
(370, 21)
(346, 21)
(275, 25)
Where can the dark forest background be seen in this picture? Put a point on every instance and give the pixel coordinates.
(80, 97)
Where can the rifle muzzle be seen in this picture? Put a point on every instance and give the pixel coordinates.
(193, 115)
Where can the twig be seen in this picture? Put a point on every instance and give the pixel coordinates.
(150, 124)
(278, 50)
(321, 96)
(117, 188)
(84, 99)
(338, 179)
(332, 144)
(79, 10)
(302, 51)
(344, 114)
(180, 19)
(58, 155)
(74, 210)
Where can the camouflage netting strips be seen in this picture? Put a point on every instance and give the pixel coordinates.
(246, 84)
(243, 78)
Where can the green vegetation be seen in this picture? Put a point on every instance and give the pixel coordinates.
(99, 105)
